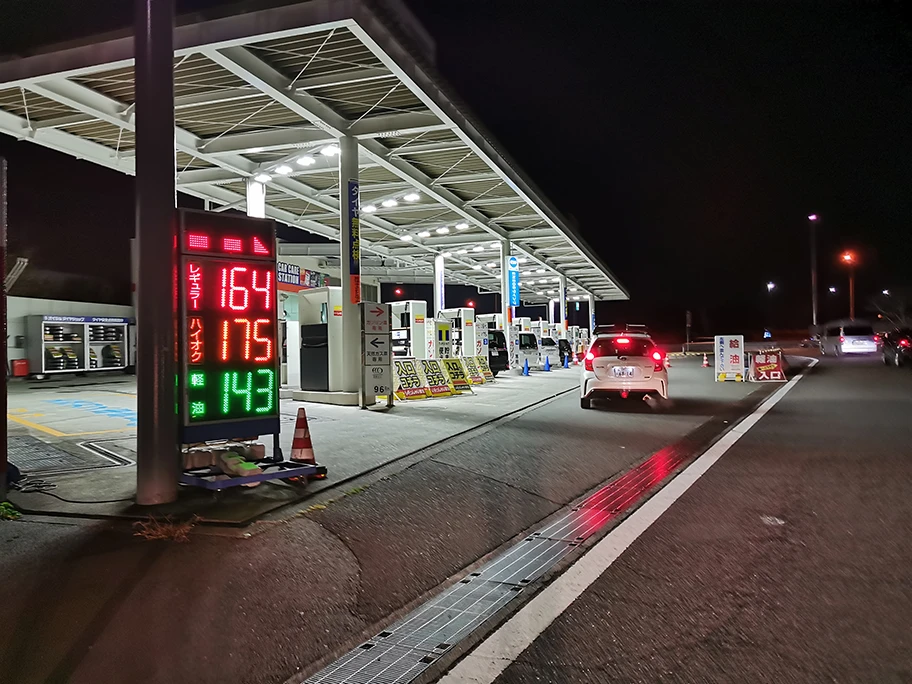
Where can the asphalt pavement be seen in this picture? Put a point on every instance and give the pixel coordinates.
(87, 602)
(788, 561)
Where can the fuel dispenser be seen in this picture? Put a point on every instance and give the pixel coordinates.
(462, 323)
(439, 339)
(320, 352)
(524, 323)
(491, 321)
(408, 323)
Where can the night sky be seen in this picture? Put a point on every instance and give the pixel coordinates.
(688, 140)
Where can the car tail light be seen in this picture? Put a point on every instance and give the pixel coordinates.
(622, 340)
(904, 342)
(587, 361)
(877, 338)
(659, 360)
(841, 339)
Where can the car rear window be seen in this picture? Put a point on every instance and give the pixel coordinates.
(527, 341)
(548, 342)
(857, 330)
(622, 346)
(497, 339)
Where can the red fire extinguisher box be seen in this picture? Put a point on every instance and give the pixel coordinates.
(20, 368)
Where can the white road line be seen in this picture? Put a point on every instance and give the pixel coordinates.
(492, 656)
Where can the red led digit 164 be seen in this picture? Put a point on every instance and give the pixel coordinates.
(235, 296)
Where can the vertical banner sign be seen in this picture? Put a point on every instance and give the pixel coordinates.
(354, 226)
(729, 358)
(563, 294)
(513, 280)
(228, 384)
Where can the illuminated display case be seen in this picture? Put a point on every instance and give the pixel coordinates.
(229, 378)
(75, 344)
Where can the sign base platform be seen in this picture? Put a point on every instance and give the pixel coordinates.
(216, 480)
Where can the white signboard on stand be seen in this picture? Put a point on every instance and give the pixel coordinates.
(376, 354)
(730, 358)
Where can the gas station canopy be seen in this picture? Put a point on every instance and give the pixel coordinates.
(266, 93)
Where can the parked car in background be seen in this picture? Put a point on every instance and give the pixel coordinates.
(498, 351)
(897, 347)
(550, 351)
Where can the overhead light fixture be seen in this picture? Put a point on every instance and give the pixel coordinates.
(330, 151)
(541, 270)
(550, 291)
(424, 234)
(284, 169)
(443, 230)
(542, 281)
(447, 255)
(462, 226)
(368, 208)
(262, 178)
(540, 294)
(522, 260)
(389, 203)
(555, 280)
(477, 248)
(412, 197)
(254, 150)
(405, 238)
(495, 245)
(493, 264)
(462, 251)
(476, 267)
(306, 160)
(573, 289)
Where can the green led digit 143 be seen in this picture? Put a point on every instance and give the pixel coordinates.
(254, 390)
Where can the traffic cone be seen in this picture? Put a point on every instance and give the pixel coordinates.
(301, 446)
(547, 364)
(526, 368)
(566, 360)
(705, 361)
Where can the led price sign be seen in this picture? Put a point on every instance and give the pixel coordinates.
(227, 289)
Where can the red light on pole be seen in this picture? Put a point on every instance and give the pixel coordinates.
(470, 304)
(398, 291)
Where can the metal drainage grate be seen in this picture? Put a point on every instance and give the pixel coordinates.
(405, 650)
(32, 456)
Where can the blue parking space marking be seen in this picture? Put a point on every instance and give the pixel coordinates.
(98, 409)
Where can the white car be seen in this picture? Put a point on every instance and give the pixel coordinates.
(622, 364)
(551, 351)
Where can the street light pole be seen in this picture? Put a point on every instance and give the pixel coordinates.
(852, 292)
(812, 222)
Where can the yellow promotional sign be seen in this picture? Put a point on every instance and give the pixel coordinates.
(457, 374)
(408, 382)
(437, 381)
(484, 367)
(475, 376)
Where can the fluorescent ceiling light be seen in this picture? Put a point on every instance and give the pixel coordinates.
(540, 294)
(462, 251)
(555, 280)
(522, 260)
(447, 255)
(541, 270)
(443, 230)
(405, 238)
(389, 203)
(492, 264)
(424, 234)
(476, 267)
(412, 197)
(477, 248)
(262, 178)
(462, 226)
(330, 151)
(550, 291)
(495, 245)
(306, 160)
(254, 150)
(542, 281)
(368, 208)
(284, 169)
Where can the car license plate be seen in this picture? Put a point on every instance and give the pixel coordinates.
(859, 341)
(622, 371)
(494, 352)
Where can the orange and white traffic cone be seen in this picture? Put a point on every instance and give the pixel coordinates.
(705, 361)
(301, 446)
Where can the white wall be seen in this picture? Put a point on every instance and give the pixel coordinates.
(17, 308)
